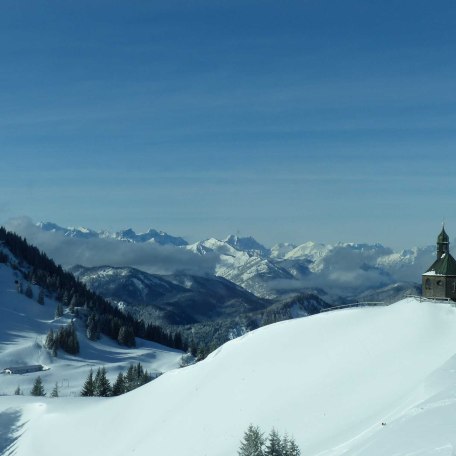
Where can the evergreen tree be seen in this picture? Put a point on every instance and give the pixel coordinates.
(274, 444)
(102, 385)
(52, 342)
(38, 389)
(59, 310)
(3, 257)
(66, 298)
(119, 385)
(88, 389)
(252, 443)
(18, 391)
(29, 291)
(40, 299)
(130, 379)
(68, 339)
(126, 336)
(55, 391)
(73, 304)
(93, 331)
(293, 449)
(285, 445)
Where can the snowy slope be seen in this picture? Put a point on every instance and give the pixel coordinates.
(330, 380)
(23, 328)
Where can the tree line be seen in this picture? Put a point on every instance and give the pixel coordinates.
(38, 269)
(255, 444)
(99, 385)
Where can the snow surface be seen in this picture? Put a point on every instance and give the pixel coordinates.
(23, 327)
(331, 380)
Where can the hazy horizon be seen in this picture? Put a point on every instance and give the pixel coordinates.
(320, 121)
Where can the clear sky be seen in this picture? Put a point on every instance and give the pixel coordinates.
(289, 121)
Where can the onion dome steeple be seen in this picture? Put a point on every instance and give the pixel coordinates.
(443, 243)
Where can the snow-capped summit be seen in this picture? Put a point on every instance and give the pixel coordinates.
(159, 237)
(129, 235)
(75, 232)
(281, 249)
(247, 244)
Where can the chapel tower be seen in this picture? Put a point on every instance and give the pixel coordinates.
(439, 281)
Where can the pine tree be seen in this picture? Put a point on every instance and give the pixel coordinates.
(126, 336)
(252, 443)
(59, 310)
(285, 445)
(119, 385)
(55, 391)
(293, 449)
(93, 332)
(18, 391)
(130, 379)
(274, 444)
(73, 304)
(29, 291)
(40, 299)
(37, 389)
(102, 385)
(89, 386)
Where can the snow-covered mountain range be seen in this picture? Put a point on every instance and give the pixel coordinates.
(342, 271)
(170, 300)
(127, 235)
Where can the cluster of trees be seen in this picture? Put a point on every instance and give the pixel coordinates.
(255, 444)
(99, 385)
(66, 289)
(65, 338)
(29, 291)
(38, 389)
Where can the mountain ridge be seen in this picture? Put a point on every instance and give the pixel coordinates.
(342, 270)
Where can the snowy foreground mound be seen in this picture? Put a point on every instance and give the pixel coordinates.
(331, 380)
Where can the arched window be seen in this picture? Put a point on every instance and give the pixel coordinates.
(427, 284)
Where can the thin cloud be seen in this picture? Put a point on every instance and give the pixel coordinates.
(151, 258)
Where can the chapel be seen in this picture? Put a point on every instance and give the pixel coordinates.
(439, 281)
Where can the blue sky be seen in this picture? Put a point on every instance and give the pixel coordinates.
(289, 121)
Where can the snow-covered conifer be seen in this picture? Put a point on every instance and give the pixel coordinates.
(38, 389)
(89, 386)
(274, 444)
(101, 383)
(119, 385)
(55, 391)
(252, 443)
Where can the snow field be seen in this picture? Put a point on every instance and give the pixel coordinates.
(330, 380)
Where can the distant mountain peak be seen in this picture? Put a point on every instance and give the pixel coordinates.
(129, 234)
(152, 235)
(248, 244)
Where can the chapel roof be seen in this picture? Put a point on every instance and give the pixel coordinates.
(445, 265)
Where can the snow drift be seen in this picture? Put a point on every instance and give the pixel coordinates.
(365, 381)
